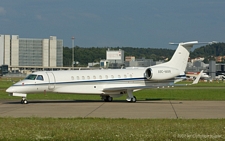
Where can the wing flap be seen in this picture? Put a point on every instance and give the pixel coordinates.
(120, 89)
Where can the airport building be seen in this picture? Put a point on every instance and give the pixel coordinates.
(114, 59)
(27, 52)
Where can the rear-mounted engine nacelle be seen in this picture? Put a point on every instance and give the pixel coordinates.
(148, 73)
(160, 73)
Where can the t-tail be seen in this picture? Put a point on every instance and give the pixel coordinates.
(180, 57)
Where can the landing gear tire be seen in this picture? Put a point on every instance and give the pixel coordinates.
(134, 99)
(24, 101)
(108, 99)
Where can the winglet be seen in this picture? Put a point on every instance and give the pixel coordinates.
(197, 78)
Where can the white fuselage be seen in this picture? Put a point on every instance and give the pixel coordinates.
(95, 81)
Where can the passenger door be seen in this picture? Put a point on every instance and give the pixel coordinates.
(51, 80)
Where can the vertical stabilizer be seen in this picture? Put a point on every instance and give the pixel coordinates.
(180, 57)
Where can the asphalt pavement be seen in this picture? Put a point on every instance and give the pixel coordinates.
(164, 109)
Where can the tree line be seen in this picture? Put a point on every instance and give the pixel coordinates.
(209, 52)
(85, 55)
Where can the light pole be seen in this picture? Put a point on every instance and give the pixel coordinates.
(72, 51)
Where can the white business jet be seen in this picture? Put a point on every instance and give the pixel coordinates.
(106, 83)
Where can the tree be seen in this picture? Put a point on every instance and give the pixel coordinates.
(90, 54)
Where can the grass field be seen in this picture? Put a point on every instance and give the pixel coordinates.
(34, 128)
(110, 129)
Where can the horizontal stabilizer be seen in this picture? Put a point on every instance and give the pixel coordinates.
(193, 43)
(185, 43)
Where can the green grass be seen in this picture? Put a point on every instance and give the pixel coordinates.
(110, 129)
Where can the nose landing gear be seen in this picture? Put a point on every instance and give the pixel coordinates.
(23, 101)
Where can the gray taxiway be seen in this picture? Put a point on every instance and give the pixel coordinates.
(117, 109)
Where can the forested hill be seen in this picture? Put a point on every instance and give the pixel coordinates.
(94, 54)
(209, 51)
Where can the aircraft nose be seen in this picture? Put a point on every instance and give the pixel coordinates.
(9, 90)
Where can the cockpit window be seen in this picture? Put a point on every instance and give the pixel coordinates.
(39, 77)
(31, 77)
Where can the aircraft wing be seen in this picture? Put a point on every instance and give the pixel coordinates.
(136, 88)
(119, 89)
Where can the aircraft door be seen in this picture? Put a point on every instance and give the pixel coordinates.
(51, 80)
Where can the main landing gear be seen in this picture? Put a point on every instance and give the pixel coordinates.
(24, 101)
(130, 97)
(107, 98)
(133, 99)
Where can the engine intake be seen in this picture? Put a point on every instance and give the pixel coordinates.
(148, 73)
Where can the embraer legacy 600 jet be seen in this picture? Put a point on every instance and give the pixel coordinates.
(107, 83)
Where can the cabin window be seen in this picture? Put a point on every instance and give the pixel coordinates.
(112, 76)
(130, 75)
(40, 77)
(88, 77)
(125, 76)
(31, 77)
(94, 77)
(106, 76)
(83, 77)
(118, 76)
(78, 78)
(100, 77)
(72, 77)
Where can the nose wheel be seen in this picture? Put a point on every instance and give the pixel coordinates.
(23, 101)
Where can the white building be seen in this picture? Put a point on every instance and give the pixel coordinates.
(18, 52)
(115, 56)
